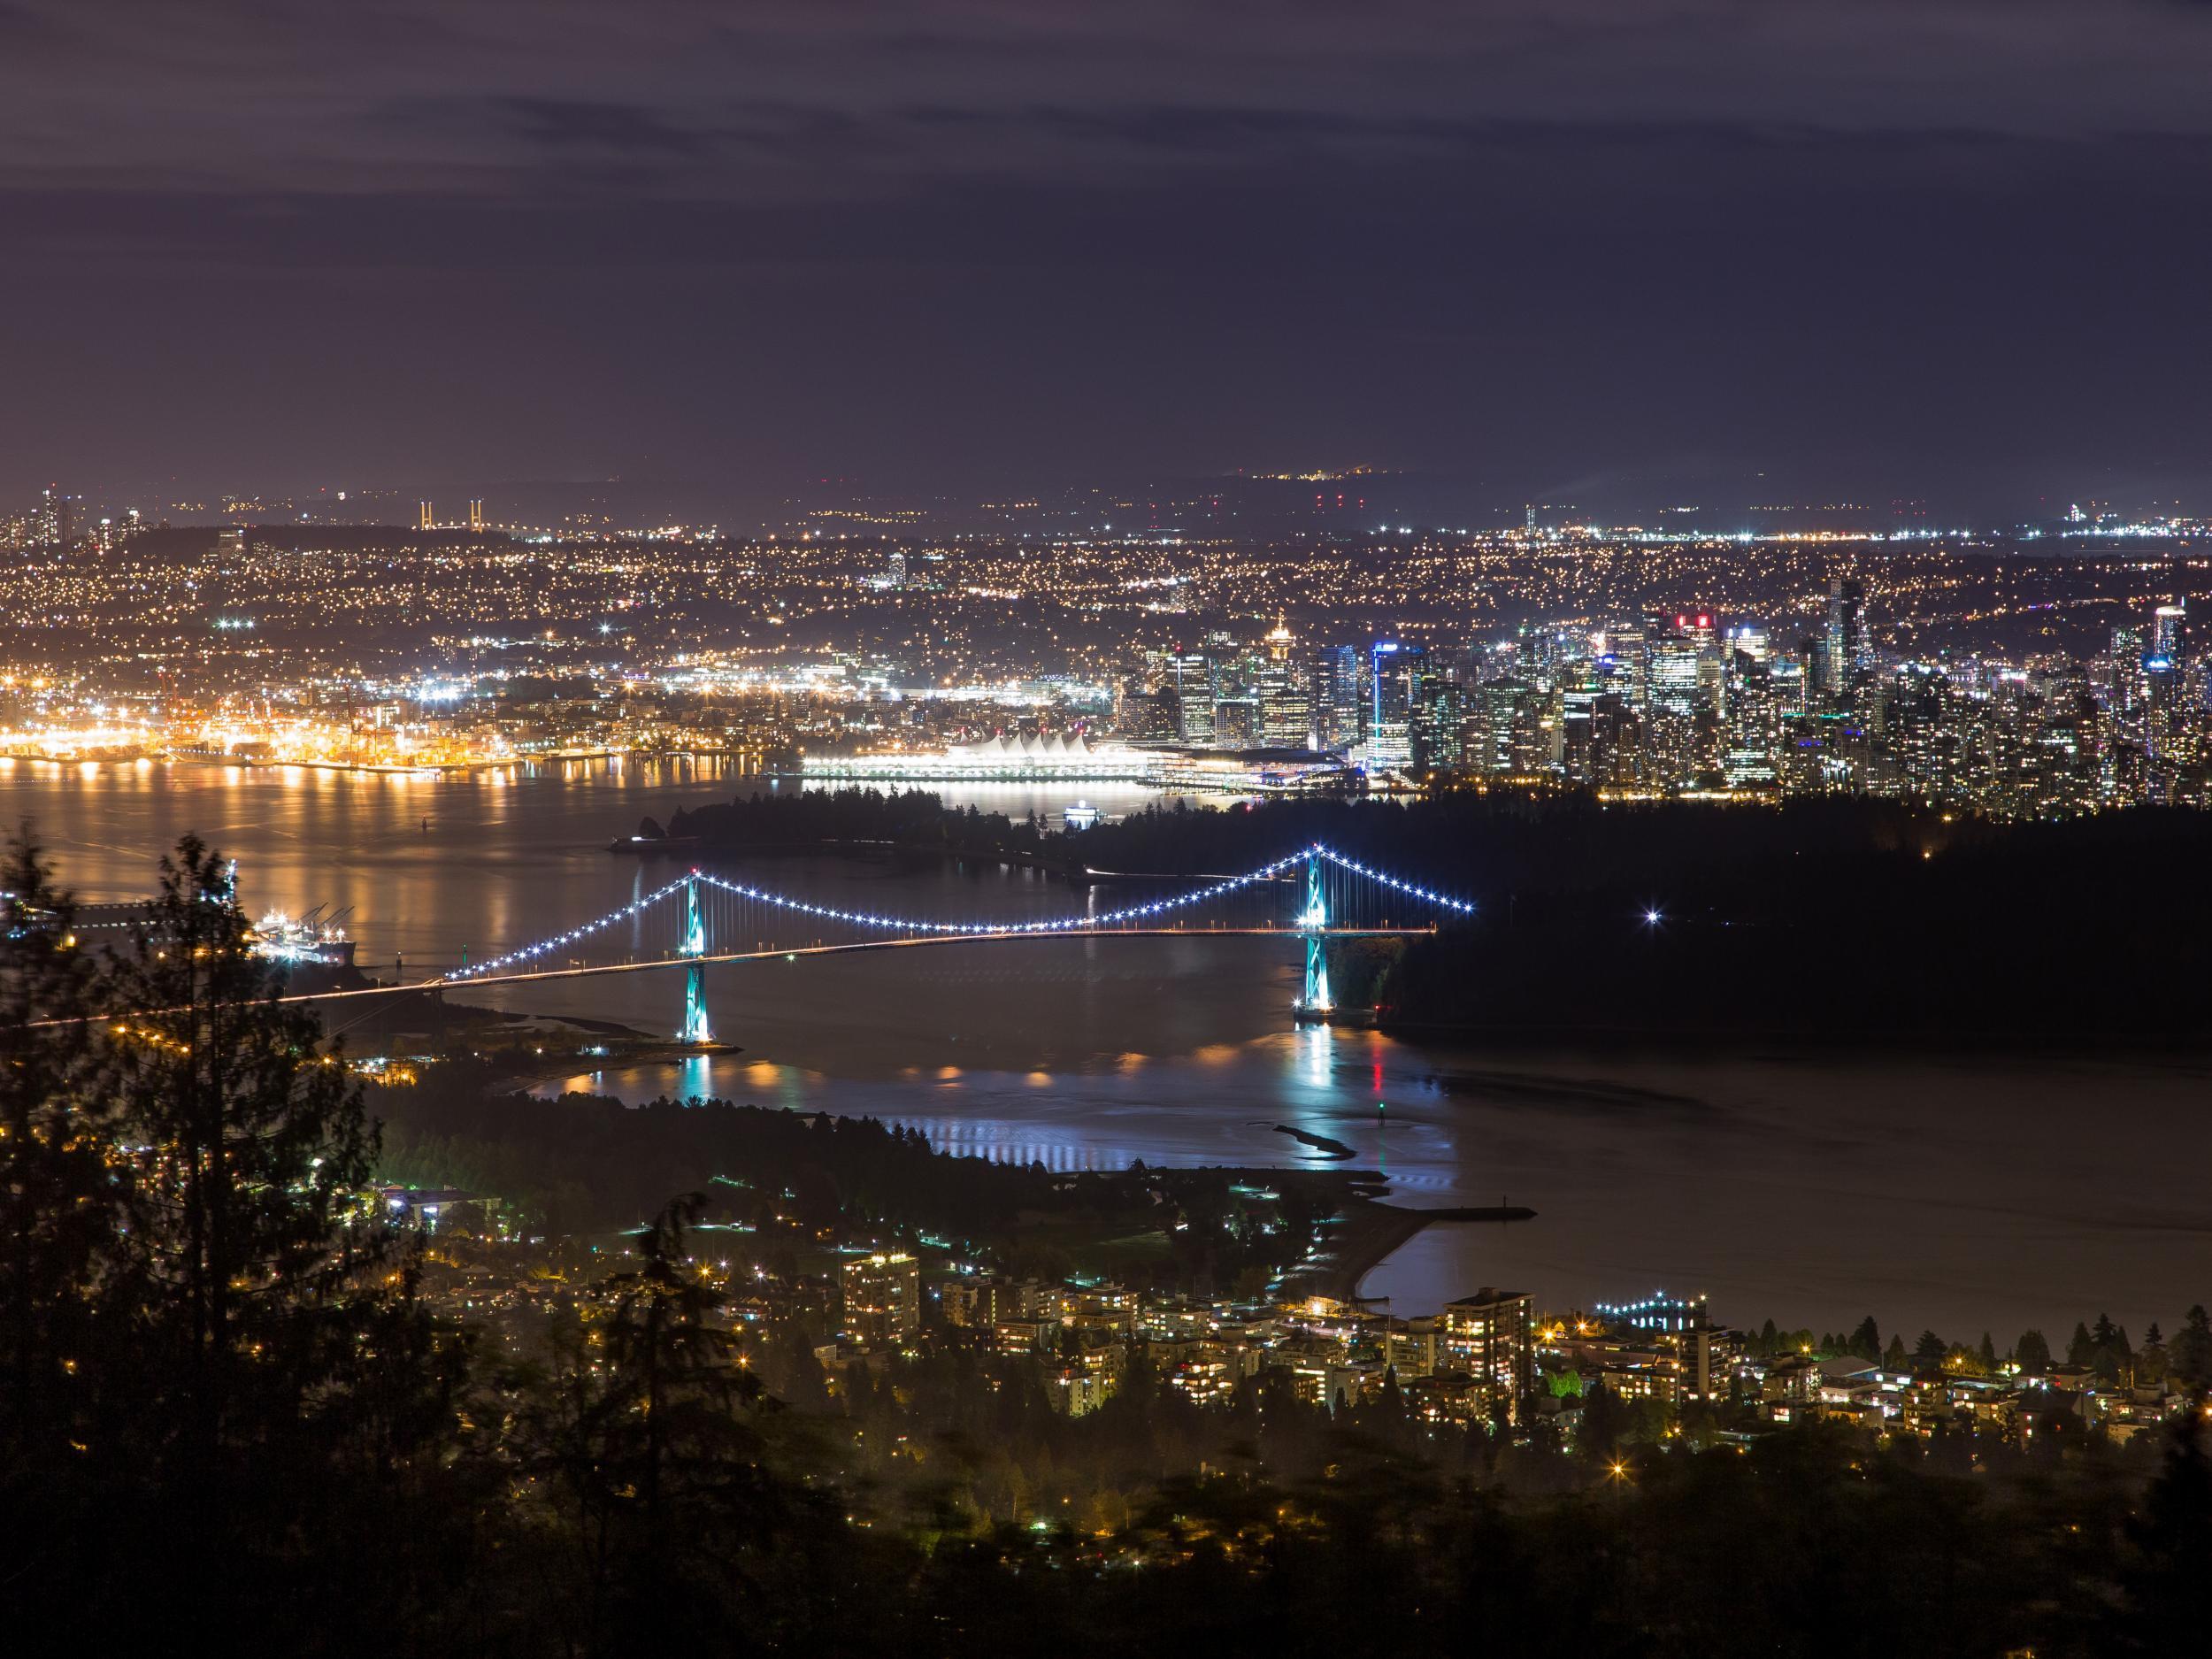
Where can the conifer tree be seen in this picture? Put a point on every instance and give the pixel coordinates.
(63, 1186)
(257, 1254)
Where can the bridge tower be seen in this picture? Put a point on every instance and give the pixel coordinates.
(695, 1028)
(1313, 1003)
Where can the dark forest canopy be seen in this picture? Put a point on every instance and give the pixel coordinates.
(913, 818)
(586, 1164)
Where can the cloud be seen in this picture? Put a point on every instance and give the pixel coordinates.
(780, 97)
(568, 125)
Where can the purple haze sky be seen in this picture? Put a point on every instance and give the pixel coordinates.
(1957, 248)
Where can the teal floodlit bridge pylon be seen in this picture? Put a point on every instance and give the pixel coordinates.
(1314, 1001)
(697, 1027)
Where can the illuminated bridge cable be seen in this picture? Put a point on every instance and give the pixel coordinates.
(1457, 906)
(1057, 924)
(908, 927)
(530, 952)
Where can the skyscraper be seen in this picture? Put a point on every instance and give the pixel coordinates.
(1343, 699)
(1191, 675)
(1848, 659)
(1286, 693)
(1673, 679)
(1394, 671)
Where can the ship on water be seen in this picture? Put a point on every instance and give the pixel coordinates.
(313, 950)
(307, 940)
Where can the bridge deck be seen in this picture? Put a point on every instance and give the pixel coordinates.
(536, 975)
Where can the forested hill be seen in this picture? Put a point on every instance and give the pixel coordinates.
(1835, 918)
(1842, 921)
(914, 819)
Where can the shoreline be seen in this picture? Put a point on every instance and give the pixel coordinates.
(1373, 1231)
(374, 769)
(1370, 1234)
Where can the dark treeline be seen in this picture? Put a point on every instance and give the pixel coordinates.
(911, 819)
(1835, 921)
(586, 1164)
(1268, 1525)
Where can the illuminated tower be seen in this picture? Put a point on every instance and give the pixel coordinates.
(476, 515)
(423, 518)
(695, 945)
(1314, 1001)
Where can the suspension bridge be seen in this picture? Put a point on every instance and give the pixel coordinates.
(700, 920)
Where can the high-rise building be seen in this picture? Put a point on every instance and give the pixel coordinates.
(1237, 722)
(54, 522)
(883, 1297)
(1342, 702)
(2125, 662)
(2167, 728)
(2169, 625)
(1672, 679)
(1752, 724)
(1490, 1336)
(1191, 673)
(1285, 688)
(1847, 658)
(1395, 673)
(1625, 659)
(1439, 721)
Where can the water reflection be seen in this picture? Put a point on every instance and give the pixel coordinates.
(1952, 1195)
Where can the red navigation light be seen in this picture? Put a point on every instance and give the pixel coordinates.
(1704, 621)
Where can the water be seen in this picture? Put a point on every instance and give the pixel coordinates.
(1960, 1195)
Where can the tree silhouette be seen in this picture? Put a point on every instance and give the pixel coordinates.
(255, 1156)
(2189, 1356)
(63, 1191)
(649, 1431)
(2167, 1590)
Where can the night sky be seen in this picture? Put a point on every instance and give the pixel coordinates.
(1597, 249)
